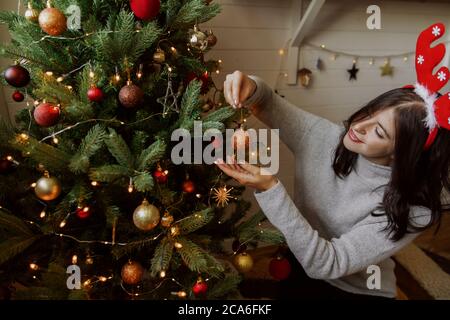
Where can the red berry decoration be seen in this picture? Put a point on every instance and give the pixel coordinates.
(83, 212)
(17, 76)
(95, 94)
(279, 268)
(18, 96)
(188, 186)
(46, 114)
(200, 287)
(160, 176)
(5, 166)
(145, 9)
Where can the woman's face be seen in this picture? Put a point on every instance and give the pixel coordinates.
(373, 137)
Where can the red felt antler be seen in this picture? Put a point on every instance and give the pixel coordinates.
(427, 58)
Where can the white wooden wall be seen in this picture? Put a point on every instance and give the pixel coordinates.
(251, 32)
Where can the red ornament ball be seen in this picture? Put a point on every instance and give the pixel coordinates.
(200, 287)
(160, 176)
(17, 76)
(188, 186)
(145, 9)
(204, 78)
(83, 212)
(131, 96)
(95, 94)
(18, 96)
(132, 273)
(46, 114)
(280, 268)
(5, 166)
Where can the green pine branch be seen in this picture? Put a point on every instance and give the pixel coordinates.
(109, 173)
(14, 246)
(138, 142)
(88, 147)
(151, 155)
(194, 11)
(162, 256)
(143, 182)
(192, 255)
(220, 115)
(189, 103)
(224, 286)
(13, 224)
(119, 149)
(196, 220)
(51, 157)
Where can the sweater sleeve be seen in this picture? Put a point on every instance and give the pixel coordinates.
(277, 113)
(353, 251)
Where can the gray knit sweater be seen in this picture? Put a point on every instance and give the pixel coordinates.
(329, 226)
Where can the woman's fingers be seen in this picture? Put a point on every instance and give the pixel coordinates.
(236, 87)
(227, 92)
(250, 168)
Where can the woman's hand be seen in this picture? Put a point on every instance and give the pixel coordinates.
(237, 88)
(247, 174)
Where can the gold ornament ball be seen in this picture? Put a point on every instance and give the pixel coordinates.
(131, 95)
(159, 56)
(47, 188)
(146, 216)
(52, 21)
(243, 262)
(132, 273)
(167, 220)
(31, 14)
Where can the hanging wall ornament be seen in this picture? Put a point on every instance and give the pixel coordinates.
(387, 69)
(211, 38)
(319, 64)
(31, 14)
(353, 72)
(305, 77)
(52, 21)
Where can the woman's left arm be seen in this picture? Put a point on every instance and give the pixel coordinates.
(353, 251)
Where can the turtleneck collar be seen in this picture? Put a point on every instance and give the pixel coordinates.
(372, 171)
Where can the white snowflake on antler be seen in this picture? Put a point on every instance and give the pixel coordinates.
(441, 76)
(420, 59)
(436, 31)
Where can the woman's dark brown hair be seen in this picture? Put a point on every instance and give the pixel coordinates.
(418, 177)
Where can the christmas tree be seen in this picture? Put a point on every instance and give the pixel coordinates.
(92, 207)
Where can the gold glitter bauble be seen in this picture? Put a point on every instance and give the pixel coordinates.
(243, 262)
(132, 273)
(146, 216)
(131, 96)
(52, 21)
(167, 220)
(48, 188)
(159, 56)
(31, 14)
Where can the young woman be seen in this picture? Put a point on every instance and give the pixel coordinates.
(362, 191)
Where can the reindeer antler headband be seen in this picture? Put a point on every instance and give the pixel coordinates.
(428, 84)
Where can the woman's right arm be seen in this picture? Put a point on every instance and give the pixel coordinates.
(293, 123)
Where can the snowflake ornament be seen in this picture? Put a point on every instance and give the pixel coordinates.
(222, 195)
(436, 31)
(420, 59)
(441, 76)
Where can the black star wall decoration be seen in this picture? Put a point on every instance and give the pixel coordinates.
(353, 72)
